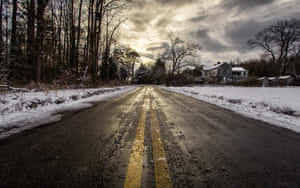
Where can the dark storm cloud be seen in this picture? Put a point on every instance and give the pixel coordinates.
(201, 33)
(163, 22)
(201, 16)
(239, 32)
(176, 2)
(198, 18)
(154, 48)
(144, 3)
(140, 21)
(208, 43)
(246, 4)
(221, 28)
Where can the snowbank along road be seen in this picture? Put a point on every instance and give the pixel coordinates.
(151, 137)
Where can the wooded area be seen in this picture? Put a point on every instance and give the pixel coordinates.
(62, 41)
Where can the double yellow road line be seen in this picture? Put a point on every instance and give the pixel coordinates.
(162, 174)
(135, 167)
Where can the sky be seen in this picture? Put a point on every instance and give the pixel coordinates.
(221, 27)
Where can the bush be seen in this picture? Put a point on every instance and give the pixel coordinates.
(284, 110)
(296, 82)
(249, 82)
(177, 80)
(235, 101)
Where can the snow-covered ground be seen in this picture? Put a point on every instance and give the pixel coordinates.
(22, 111)
(278, 106)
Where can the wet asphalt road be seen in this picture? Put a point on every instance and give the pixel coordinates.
(202, 146)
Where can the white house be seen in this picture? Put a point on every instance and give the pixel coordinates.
(224, 72)
(239, 73)
(220, 72)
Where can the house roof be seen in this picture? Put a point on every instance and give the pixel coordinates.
(262, 78)
(213, 67)
(239, 69)
(284, 77)
(272, 78)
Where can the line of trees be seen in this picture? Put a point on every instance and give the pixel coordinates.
(281, 42)
(46, 40)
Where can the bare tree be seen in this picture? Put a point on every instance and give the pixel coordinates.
(30, 36)
(96, 9)
(42, 4)
(72, 33)
(4, 66)
(133, 56)
(111, 29)
(78, 36)
(14, 24)
(1, 32)
(279, 41)
(13, 37)
(176, 51)
(49, 35)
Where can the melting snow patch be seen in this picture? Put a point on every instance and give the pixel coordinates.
(22, 111)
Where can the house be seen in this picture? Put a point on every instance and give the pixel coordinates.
(276, 81)
(264, 81)
(273, 81)
(239, 73)
(221, 72)
(285, 80)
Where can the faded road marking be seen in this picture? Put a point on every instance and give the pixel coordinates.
(162, 174)
(135, 167)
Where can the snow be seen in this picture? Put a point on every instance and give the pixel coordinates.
(262, 78)
(284, 77)
(238, 69)
(272, 78)
(209, 68)
(277, 106)
(22, 111)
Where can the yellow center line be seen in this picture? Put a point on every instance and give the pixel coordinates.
(135, 167)
(162, 174)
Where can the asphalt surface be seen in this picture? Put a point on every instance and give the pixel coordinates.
(180, 141)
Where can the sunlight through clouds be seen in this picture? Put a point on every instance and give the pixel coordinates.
(220, 27)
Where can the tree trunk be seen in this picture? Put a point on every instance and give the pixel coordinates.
(133, 64)
(6, 50)
(91, 37)
(60, 60)
(78, 38)
(1, 32)
(72, 35)
(13, 39)
(105, 62)
(96, 38)
(14, 24)
(30, 39)
(42, 4)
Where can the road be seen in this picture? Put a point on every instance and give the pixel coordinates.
(152, 138)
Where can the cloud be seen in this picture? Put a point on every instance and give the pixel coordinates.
(198, 18)
(221, 27)
(239, 32)
(163, 22)
(176, 2)
(243, 5)
(207, 42)
(155, 48)
(141, 20)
